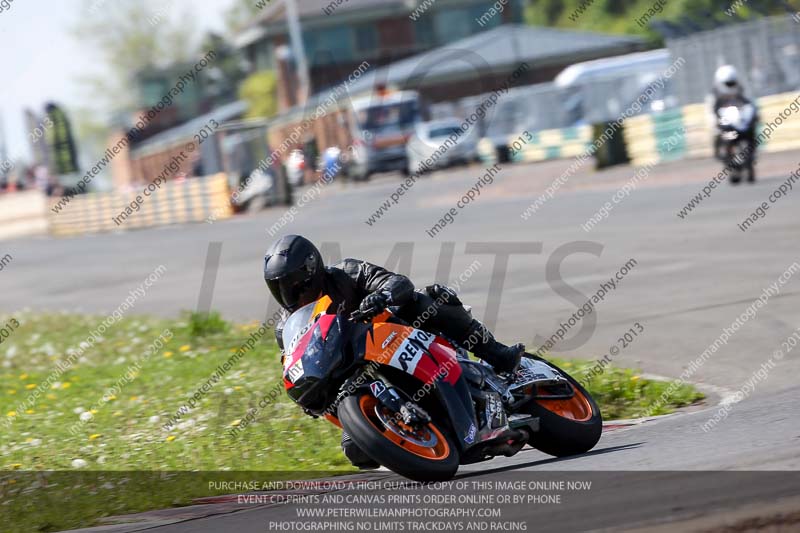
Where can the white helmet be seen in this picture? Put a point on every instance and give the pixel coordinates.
(726, 81)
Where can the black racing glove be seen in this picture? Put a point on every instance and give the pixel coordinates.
(373, 305)
(443, 294)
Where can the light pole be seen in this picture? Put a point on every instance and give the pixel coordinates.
(299, 51)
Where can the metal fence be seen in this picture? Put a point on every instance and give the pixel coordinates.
(535, 107)
(765, 51)
(546, 106)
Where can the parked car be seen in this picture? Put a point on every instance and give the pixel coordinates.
(431, 141)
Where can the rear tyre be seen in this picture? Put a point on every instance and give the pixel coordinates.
(567, 427)
(426, 454)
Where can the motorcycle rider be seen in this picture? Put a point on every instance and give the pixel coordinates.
(728, 91)
(296, 276)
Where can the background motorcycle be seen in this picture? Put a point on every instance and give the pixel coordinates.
(738, 150)
(415, 402)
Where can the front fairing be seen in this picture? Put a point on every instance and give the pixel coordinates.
(737, 118)
(314, 344)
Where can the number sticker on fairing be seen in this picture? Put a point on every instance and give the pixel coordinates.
(296, 371)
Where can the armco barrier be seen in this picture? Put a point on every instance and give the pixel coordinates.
(191, 200)
(645, 136)
(22, 214)
(552, 144)
(786, 132)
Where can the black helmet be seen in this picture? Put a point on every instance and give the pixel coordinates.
(294, 271)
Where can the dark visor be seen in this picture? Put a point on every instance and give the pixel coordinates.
(292, 290)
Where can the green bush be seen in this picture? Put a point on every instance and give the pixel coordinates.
(204, 324)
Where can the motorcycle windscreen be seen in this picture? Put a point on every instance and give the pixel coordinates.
(297, 326)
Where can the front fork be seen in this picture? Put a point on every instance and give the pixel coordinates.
(411, 413)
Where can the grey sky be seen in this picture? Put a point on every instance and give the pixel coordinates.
(41, 61)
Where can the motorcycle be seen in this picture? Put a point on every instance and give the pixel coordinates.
(414, 402)
(737, 150)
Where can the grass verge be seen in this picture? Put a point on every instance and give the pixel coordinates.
(114, 426)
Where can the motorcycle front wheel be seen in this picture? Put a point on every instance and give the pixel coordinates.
(424, 453)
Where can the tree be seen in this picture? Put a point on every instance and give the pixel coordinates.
(240, 15)
(259, 90)
(619, 16)
(129, 37)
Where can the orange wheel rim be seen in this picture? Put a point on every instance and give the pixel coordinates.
(576, 408)
(437, 451)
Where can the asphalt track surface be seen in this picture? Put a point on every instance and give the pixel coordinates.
(693, 277)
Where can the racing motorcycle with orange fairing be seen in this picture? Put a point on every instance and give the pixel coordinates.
(417, 404)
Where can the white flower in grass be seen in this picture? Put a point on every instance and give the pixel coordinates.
(79, 463)
(35, 442)
(11, 352)
(78, 410)
(154, 419)
(101, 460)
(186, 425)
(86, 416)
(228, 391)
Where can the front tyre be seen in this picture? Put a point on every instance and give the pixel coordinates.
(566, 426)
(421, 454)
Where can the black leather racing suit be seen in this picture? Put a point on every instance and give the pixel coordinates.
(351, 280)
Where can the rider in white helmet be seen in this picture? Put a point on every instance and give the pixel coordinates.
(726, 82)
(728, 91)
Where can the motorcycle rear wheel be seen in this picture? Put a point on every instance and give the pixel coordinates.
(423, 454)
(566, 427)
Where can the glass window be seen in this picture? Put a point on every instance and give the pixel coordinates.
(330, 45)
(444, 132)
(381, 117)
(263, 54)
(366, 38)
(153, 90)
(453, 24)
(484, 14)
(425, 34)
